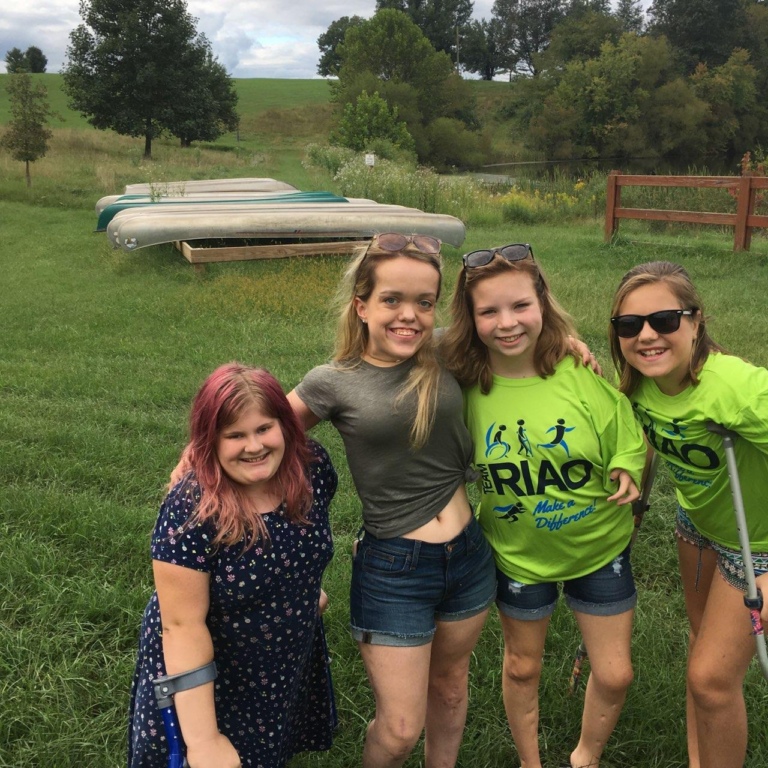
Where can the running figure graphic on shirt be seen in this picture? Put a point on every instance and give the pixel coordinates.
(675, 429)
(510, 512)
(559, 437)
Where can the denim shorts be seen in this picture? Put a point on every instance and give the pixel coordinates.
(608, 591)
(401, 586)
(730, 562)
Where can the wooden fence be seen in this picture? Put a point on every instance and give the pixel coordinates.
(744, 220)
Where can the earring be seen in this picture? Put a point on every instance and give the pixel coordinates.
(365, 322)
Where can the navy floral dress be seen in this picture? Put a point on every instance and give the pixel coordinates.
(273, 692)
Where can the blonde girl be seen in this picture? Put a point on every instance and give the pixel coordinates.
(423, 576)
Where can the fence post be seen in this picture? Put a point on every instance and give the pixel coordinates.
(612, 201)
(742, 234)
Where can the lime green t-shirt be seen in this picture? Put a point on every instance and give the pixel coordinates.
(545, 448)
(730, 392)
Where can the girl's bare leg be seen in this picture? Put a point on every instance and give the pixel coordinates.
(452, 648)
(608, 643)
(523, 651)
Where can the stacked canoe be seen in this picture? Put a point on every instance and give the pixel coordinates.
(252, 210)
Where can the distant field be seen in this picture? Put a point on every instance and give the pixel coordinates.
(256, 95)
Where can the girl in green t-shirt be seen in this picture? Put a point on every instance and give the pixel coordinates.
(678, 379)
(558, 451)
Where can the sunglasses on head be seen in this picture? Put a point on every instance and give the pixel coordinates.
(665, 321)
(394, 242)
(512, 252)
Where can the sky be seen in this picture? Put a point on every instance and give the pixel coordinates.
(253, 38)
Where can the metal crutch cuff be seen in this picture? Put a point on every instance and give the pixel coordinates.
(166, 687)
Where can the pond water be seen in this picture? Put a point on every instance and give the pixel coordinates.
(543, 169)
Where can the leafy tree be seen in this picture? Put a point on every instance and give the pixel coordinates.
(389, 54)
(26, 136)
(579, 37)
(32, 60)
(701, 30)
(480, 48)
(439, 20)
(525, 30)
(15, 61)
(36, 59)
(630, 14)
(730, 90)
(329, 42)
(210, 108)
(370, 118)
(625, 102)
(128, 67)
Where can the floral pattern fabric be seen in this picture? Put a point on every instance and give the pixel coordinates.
(273, 692)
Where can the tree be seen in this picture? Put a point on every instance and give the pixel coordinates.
(128, 67)
(481, 50)
(630, 14)
(210, 107)
(32, 60)
(329, 42)
(15, 61)
(26, 136)
(704, 31)
(370, 118)
(36, 60)
(579, 37)
(441, 21)
(525, 30)
(389, 54)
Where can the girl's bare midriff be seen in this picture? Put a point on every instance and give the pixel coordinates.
(448, 523)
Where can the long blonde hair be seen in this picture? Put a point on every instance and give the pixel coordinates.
(678, 281)
(461, 349)
(352, 334)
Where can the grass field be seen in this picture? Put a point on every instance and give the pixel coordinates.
(100, 354)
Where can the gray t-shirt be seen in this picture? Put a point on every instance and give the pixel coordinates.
(400, 488)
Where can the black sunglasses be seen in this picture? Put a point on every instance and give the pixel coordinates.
(512, 252)
(665, 321)
(394, 242)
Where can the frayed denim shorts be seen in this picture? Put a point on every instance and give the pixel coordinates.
(608, 591)
(730, 562)
(400, 587)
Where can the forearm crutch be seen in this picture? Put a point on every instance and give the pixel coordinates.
(639, 508)
(753, 599)
(165, 689)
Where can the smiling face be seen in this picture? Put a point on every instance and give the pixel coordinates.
(250, 450)
(665, 358)
(400, 312)
(508, 320)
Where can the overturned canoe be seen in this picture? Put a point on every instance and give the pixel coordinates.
(103, 202)
(166, 188)
(142, 227)
(171, 203)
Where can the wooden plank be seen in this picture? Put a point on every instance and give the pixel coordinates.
(719, 182)
(277, 251)
(612, 201)
(757, 220)
(744, 205)
(690, 217)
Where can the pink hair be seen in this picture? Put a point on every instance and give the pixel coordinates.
(224, 397)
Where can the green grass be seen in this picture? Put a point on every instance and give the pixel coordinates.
(100, 354)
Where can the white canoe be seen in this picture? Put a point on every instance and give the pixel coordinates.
(163, 188)
(137, 197)
(139, 228)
